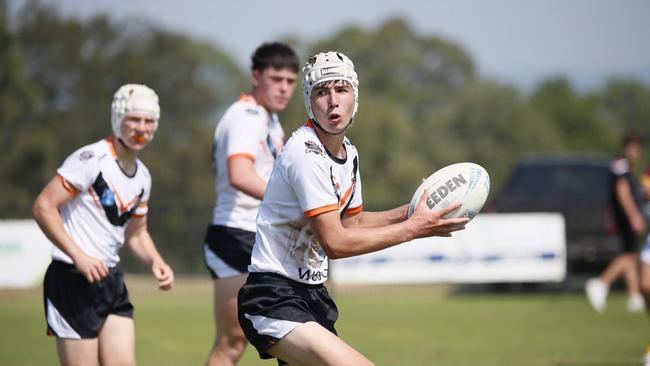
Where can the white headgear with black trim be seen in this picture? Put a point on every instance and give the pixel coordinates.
(328, 66)
(133, 98)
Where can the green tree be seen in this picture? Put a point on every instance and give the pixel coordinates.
(572, 114)
(57, 90)
(625, 104)
(404, 77)
(422, 106)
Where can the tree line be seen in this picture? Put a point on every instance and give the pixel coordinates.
(422, 106)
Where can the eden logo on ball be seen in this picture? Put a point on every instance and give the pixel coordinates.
(442, 191)
(467, 183)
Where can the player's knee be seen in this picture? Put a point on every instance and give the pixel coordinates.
(645, 285)
(232, 342)
(628, 258)
(238, 342)
(122, 361)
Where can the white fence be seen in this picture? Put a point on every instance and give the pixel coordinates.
(24, 253)
(493, 248)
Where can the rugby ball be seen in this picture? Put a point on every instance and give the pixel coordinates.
(468, 183)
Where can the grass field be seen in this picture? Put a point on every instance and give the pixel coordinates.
(408, 325)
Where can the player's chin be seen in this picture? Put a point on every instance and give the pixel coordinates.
(279, 106)
(138, 145)
(334, 128)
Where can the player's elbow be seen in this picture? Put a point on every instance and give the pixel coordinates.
(333, 250)
(39, 208)
(335, 255)
(240, 183)
(236, 182)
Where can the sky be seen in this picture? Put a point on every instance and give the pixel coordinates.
(513, 41)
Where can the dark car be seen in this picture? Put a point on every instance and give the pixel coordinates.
(577, 187)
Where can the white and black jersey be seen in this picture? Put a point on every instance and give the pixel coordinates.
(245, 130)
(306, 181)
(105, 198)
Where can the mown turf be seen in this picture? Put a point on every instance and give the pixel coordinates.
(390, 325)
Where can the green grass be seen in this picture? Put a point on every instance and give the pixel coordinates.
(416, 325)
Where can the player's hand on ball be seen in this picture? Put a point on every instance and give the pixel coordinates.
(431, 222)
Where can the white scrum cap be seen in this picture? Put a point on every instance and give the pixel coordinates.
(133, 98)
(328, 66)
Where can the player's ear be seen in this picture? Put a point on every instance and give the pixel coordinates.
(256, 75)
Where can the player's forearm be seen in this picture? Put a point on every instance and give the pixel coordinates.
(144, 248)
(626, 200)
(253, 186)
(361, 240)
(375, 219)
(242, 176)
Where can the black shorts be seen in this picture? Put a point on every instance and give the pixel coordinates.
(227, 251)
(77, 309)
(629, 239)
(270, 306)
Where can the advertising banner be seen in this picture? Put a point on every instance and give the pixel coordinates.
(526, 247)
(24, 253)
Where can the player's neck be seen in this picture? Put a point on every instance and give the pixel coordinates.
(258, 100)
(333, 143)
(126, 157)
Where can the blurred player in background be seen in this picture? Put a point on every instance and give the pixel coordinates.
(246, 142)
(645, 255)
(97, 202)
(627, 203)
(312, 210)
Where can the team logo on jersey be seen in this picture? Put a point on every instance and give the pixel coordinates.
(108, 198)
(313, 147)
(109, 201)
(85, 155)
(252, 111)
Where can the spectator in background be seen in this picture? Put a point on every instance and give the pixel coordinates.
(97, 202)
(627, 203)
(246, 142)
(645, 186)
(645, 255)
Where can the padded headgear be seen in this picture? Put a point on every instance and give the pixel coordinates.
(328, 66)
(133, 98)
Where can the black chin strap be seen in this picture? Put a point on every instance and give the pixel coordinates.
(315, 122)
(119, 139)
